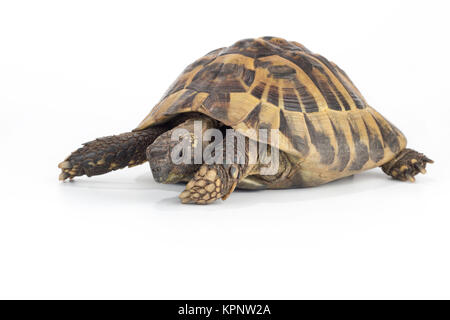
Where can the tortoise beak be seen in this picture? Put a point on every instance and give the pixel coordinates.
(167, 174)
(160, 173)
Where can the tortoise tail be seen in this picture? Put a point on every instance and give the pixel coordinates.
(110, 153)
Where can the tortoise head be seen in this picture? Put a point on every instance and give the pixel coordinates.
(164, 169)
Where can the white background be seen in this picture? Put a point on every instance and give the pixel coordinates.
(71, 71)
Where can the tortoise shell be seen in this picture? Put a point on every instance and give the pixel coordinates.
(271, 83)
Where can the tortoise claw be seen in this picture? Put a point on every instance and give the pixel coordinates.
(420, 167)
(428, 160)
(65, 165)
(63, 176)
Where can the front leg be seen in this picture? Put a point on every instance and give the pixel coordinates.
(212, 182)
(218, 180)
(109, 153)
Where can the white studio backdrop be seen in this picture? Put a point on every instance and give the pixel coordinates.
(73, 71)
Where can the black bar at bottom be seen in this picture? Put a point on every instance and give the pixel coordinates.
(219, 309)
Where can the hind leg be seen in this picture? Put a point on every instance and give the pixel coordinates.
(406, 165)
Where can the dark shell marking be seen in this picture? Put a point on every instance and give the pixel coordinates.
(232, 77)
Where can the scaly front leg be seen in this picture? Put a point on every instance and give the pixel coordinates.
(215, 181)
(109, 153)
(212, 182)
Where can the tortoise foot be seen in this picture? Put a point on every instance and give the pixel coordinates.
(406, 165)
(204, 188)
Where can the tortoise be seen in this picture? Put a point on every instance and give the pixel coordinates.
(326, 128)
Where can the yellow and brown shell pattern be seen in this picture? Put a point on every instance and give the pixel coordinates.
(274, 84)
